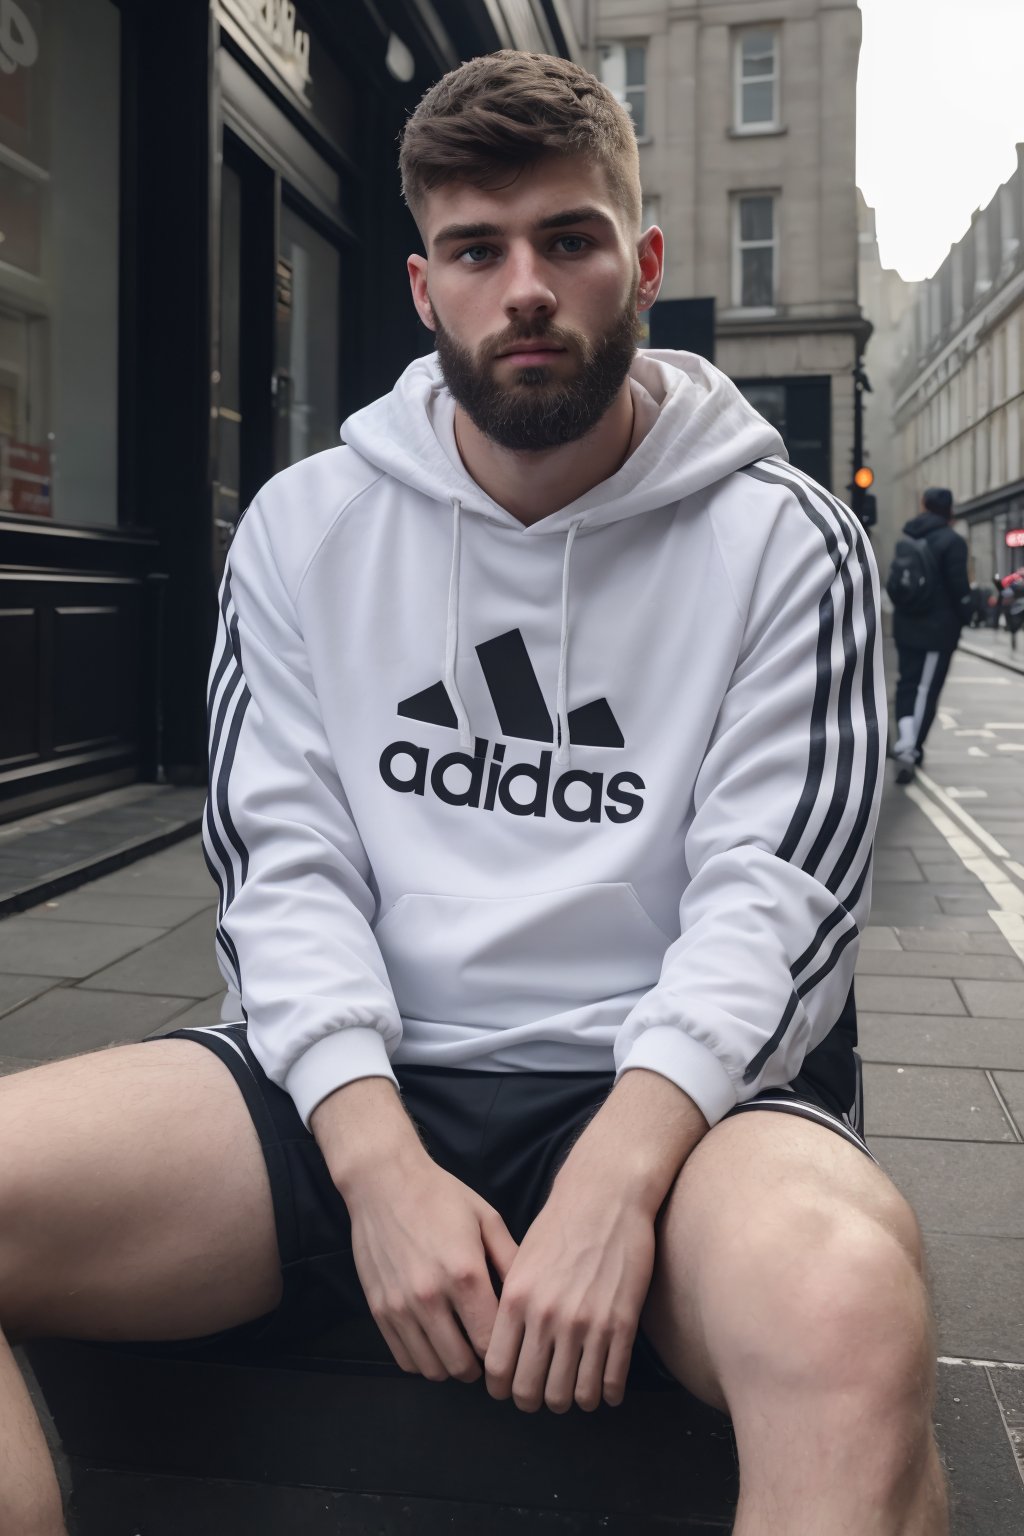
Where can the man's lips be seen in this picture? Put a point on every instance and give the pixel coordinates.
(532, 349)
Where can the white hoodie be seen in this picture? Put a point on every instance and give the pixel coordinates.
(589, 795)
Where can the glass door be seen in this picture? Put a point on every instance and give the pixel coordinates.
(306, 371)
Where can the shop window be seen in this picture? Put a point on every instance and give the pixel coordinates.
(754, 263)
(59, 243)
(623, 69)
(756, 66)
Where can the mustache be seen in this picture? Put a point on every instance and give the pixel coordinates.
(538, 330)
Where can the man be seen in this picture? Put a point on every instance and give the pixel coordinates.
(545, 757)
(926, 628)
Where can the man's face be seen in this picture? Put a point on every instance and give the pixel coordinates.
(532, 291)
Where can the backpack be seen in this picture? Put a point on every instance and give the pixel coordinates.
(913, 580)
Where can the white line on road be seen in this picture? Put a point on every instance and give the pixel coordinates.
(964, 817)
(989, 1365)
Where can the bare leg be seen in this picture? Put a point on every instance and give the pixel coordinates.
(134, 1204)
(788, 1289)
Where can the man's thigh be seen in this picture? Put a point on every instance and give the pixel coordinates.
(766, 1205)
(134, 1198)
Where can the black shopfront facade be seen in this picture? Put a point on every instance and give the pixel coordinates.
(202, 271)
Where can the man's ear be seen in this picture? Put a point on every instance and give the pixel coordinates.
(417, 267)
(651, 253)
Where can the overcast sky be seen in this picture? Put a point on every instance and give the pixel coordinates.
(940, 108)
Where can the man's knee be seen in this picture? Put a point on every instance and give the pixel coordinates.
(829, 1303)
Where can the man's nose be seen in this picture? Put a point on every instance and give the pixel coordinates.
(528, 294)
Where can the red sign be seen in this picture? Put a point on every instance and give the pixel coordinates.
(1015, 538)
(26, 477)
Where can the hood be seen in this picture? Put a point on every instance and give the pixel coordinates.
(923, 524)
(704, 431)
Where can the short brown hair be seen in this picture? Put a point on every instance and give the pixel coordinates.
(491, 118)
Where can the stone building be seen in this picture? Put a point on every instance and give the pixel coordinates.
(959, 393)
(885, 298)
(746, 112)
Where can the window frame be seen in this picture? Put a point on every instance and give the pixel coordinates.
(738, 124)
(739, 245)
(609, 44)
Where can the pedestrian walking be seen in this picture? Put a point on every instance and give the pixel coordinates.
(931, 595)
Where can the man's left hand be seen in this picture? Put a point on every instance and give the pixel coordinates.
(571, 1300)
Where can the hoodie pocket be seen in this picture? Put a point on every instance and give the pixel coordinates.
(509, 960)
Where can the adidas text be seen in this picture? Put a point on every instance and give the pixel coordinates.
(521, 789)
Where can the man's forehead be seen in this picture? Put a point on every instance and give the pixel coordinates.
(538, 196)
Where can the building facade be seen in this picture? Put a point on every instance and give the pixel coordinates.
(202, 271)
(959, 389)
(885, 299)
(745, 111)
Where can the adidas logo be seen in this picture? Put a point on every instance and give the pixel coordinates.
(484, 781)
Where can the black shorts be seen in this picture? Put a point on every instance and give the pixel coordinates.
(503, 1134)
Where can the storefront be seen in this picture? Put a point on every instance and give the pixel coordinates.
(202, 270)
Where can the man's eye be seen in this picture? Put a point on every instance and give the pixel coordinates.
(572, 244)
(475, 254)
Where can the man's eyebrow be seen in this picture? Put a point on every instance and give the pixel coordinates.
(586, 215)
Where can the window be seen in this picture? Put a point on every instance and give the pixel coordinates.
(757, 81)
(623, 69)
(59, 239)
(754, 252)
(650, 211)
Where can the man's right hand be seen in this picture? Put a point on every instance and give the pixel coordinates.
(421, 1238)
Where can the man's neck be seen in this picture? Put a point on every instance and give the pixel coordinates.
(533, 485)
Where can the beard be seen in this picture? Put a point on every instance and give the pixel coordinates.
(537, 409)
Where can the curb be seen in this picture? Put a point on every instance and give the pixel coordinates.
(72, 875)
(997, 661)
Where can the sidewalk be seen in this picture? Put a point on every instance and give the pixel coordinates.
(994, 645)
(941, 998)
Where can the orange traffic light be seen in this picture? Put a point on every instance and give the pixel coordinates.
(864, 479)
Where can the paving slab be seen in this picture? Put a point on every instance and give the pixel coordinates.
(957, 905)
(919, 1039)
(879, 938)
(958, 967)
(179, 871)
(30, 946)
(197, 1017)
(897, 864)
(181, 963)
(69, 1020)
(977, 1285)
(950, 941)
(11, 1064)
(1011, 1086)
(950, 875)
(972, 1188)
(15, 990)
(88, 905)
(913, 900)
(988, 1495)
(993, 999)
(904, 994)
(965, 922)
(936, 1103)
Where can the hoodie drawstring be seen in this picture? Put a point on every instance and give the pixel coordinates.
(561, 704)
(451, 641)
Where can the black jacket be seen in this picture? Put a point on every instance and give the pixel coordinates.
(939, 628)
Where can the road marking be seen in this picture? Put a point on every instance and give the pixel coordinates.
(967, 794)
(1003, 725)
(1010, 746)
(988, 1365)
(979, 682)
(976, 752)
(964, 817)
(986, 732)
(1007, 895)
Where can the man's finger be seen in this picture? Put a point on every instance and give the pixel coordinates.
(531, 1372)
(499, 1244)
(418, 1346)
(590, 1379)
(450, 1345)
(476, 1307)
(503, 1353)
(616, 1369)
(560, 1391)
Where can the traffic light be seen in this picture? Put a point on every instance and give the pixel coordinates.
(864, 505)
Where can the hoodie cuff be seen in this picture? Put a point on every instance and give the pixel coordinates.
(337, 1059)
(665, 1048)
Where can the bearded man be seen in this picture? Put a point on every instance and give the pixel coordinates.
(545, 761)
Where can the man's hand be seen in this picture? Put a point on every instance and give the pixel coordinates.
(572, 1298)
(420, 1238)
